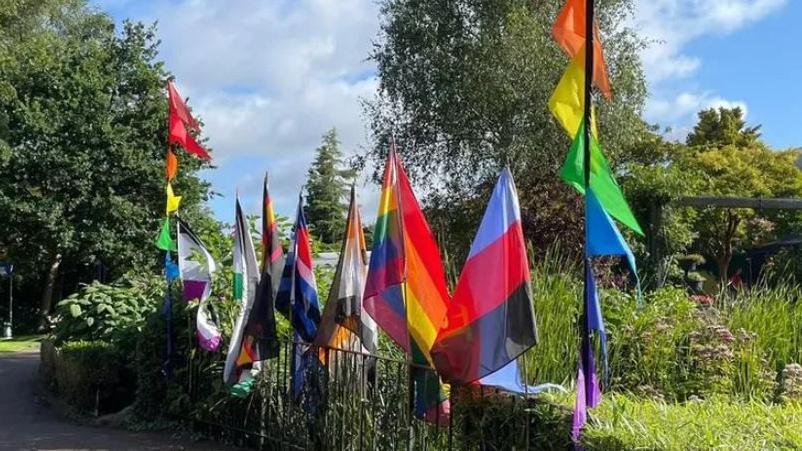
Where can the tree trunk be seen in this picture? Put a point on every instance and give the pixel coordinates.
(46, 301)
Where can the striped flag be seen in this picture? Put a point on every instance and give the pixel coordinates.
(245, 281)
(405, 291)
(297, 293)
(490, 321)
(260, 341)
(197, 281)
(344, 323)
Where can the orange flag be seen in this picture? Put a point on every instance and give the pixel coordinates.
(569, 32)
(172, 165)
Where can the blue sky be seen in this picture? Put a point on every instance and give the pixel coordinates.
(270, 77)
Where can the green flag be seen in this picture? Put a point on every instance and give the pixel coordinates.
(601, 179)
(165, 241)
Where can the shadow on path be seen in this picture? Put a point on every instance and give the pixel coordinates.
(26, 424)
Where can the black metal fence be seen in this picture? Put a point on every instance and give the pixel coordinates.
(354, 401)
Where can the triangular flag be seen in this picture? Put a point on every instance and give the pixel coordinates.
(173, 201)
(165, 241)
(179, 109)
(601, 179)
(567, 102)
(171, 166)
(569, 32)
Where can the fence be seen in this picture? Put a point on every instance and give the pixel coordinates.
(355, 401)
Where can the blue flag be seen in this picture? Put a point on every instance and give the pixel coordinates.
(602, 237)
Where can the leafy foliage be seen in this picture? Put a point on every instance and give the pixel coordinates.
(464, 87)
(103, 312)
(82, 142)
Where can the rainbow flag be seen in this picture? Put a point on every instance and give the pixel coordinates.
(491, 320)
(405, 291)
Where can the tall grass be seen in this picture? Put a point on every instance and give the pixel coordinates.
(556, 292)
(773, 314)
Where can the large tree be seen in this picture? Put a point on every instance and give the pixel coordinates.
(326, 187)
(464, 87)
(82, 142)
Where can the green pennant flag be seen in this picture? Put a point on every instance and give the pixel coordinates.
(165, 241)
(601, 179)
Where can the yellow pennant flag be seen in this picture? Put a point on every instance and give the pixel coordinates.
(172, 200)
(567, 103)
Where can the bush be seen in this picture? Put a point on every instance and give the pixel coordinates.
(92, 376)
(113, 313)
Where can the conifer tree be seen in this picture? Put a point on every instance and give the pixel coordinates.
(326, 188)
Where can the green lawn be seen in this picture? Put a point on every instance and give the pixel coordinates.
(21, 343)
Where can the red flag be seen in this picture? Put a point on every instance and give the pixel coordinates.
(180, 120)
(179, 108)
(569, 32)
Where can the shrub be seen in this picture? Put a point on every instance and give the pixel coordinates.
(112, 313)
(92, 376)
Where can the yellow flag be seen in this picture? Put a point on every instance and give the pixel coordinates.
(172, 200)
(567, 103)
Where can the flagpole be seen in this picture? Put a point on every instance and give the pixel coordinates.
(588, 119)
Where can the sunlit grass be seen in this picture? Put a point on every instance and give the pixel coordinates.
(21, 343)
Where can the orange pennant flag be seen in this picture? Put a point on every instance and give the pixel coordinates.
(569, 32)
(172, 165)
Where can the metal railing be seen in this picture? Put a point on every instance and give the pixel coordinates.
(352, 401)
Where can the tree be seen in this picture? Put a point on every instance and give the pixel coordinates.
(740, 172)
(464, 87)
(82, 143)
(723, 127)
(326, 187)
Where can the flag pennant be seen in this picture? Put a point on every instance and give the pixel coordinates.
(569, 32)
(405, 290)
(490, 321)
(171, 166)
(245, 282)
(602, 237)
(173, 201)
(605, 187)
(180, 121)
(567, 102)
(164, 241)
(197, 283)
(297, 294)
(344, 324)
(588, 391)
(260, 330)
(179, 109)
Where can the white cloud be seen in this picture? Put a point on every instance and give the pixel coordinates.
(268, 79)
(672, 25)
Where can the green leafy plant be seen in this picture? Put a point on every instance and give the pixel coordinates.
(103, 312)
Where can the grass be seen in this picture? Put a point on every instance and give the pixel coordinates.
(625, 422)
(21, 343)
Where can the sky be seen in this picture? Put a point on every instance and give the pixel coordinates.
(269, 78)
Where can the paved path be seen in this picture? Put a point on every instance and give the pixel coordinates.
(25, 424)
